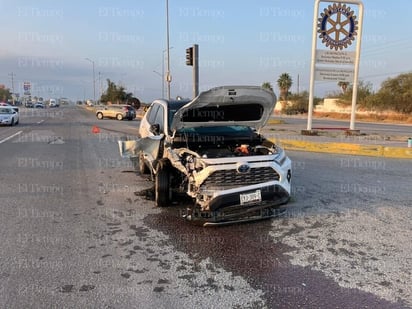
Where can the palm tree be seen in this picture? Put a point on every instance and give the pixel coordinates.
(267, 85)
(284, 83)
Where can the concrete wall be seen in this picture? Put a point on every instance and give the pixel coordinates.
(331, 105)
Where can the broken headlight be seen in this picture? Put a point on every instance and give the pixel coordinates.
(280, 156)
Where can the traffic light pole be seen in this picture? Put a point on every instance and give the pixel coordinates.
(192, 59)
(195, 70)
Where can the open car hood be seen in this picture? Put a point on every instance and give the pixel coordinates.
(227, 106)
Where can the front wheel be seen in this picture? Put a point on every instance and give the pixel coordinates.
(99, 116)
(119, 117)
(163, 192)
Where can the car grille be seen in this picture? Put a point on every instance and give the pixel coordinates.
(232, 178)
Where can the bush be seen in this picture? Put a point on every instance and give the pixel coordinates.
(299, 103)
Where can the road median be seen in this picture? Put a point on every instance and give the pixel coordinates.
(346, 148)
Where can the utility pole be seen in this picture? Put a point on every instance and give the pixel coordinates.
(298, 83)
(100, 85)
(12, 86)
(168, 76)
(94, 81)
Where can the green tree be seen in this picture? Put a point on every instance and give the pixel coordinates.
(267, 85)
(5, 94)
(284, 83)
(364, 94)
(116, 94)
(395, 94)
(299, 103)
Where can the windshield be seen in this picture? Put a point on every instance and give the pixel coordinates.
(6, 111)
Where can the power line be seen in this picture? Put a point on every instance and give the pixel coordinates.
(403, 44)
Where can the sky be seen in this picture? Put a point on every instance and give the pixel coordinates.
(54, 44)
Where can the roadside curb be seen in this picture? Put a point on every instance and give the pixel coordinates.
(347, 149)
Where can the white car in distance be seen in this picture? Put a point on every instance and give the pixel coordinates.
(53, 103)
(8, 116)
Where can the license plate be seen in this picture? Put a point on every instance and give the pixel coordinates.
(252, 197)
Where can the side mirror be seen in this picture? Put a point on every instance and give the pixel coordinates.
(155, 129)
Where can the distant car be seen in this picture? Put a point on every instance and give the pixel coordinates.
(118, 112)
(29, 104)
(39, 105)
(53, 103)
(8, 115)
(8, 105)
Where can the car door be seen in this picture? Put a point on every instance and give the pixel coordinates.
(112, 111)
(148, 120)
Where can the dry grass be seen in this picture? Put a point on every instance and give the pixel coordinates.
(389, 117)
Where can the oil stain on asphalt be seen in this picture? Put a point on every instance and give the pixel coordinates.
(247, 250)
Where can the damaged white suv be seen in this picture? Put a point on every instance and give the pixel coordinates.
(211, 149)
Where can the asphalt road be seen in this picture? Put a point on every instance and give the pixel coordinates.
(79, 230)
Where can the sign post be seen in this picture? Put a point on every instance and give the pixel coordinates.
(337, 26)
(195, 70)
(26, 88)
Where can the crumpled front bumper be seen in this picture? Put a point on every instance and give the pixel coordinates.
(271, 194)
(227, 208)
(229, 196)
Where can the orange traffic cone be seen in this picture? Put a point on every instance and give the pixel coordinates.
(95, 129)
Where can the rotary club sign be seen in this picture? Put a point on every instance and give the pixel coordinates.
(337, 26)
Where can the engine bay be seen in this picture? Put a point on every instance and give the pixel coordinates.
(248, 143)
(236, 150)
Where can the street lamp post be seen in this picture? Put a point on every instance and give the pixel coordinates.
(168, 76)
(12, 86)
(164, 78)
(94, 81)
(100, 85)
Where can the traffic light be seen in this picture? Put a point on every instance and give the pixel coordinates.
(189, 56)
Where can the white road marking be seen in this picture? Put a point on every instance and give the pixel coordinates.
(10, 137)
(41, 121)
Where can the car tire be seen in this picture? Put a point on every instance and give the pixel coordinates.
(143, 168)
(99, 116)
(12, 122)
(119, 117)
(163, 192)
